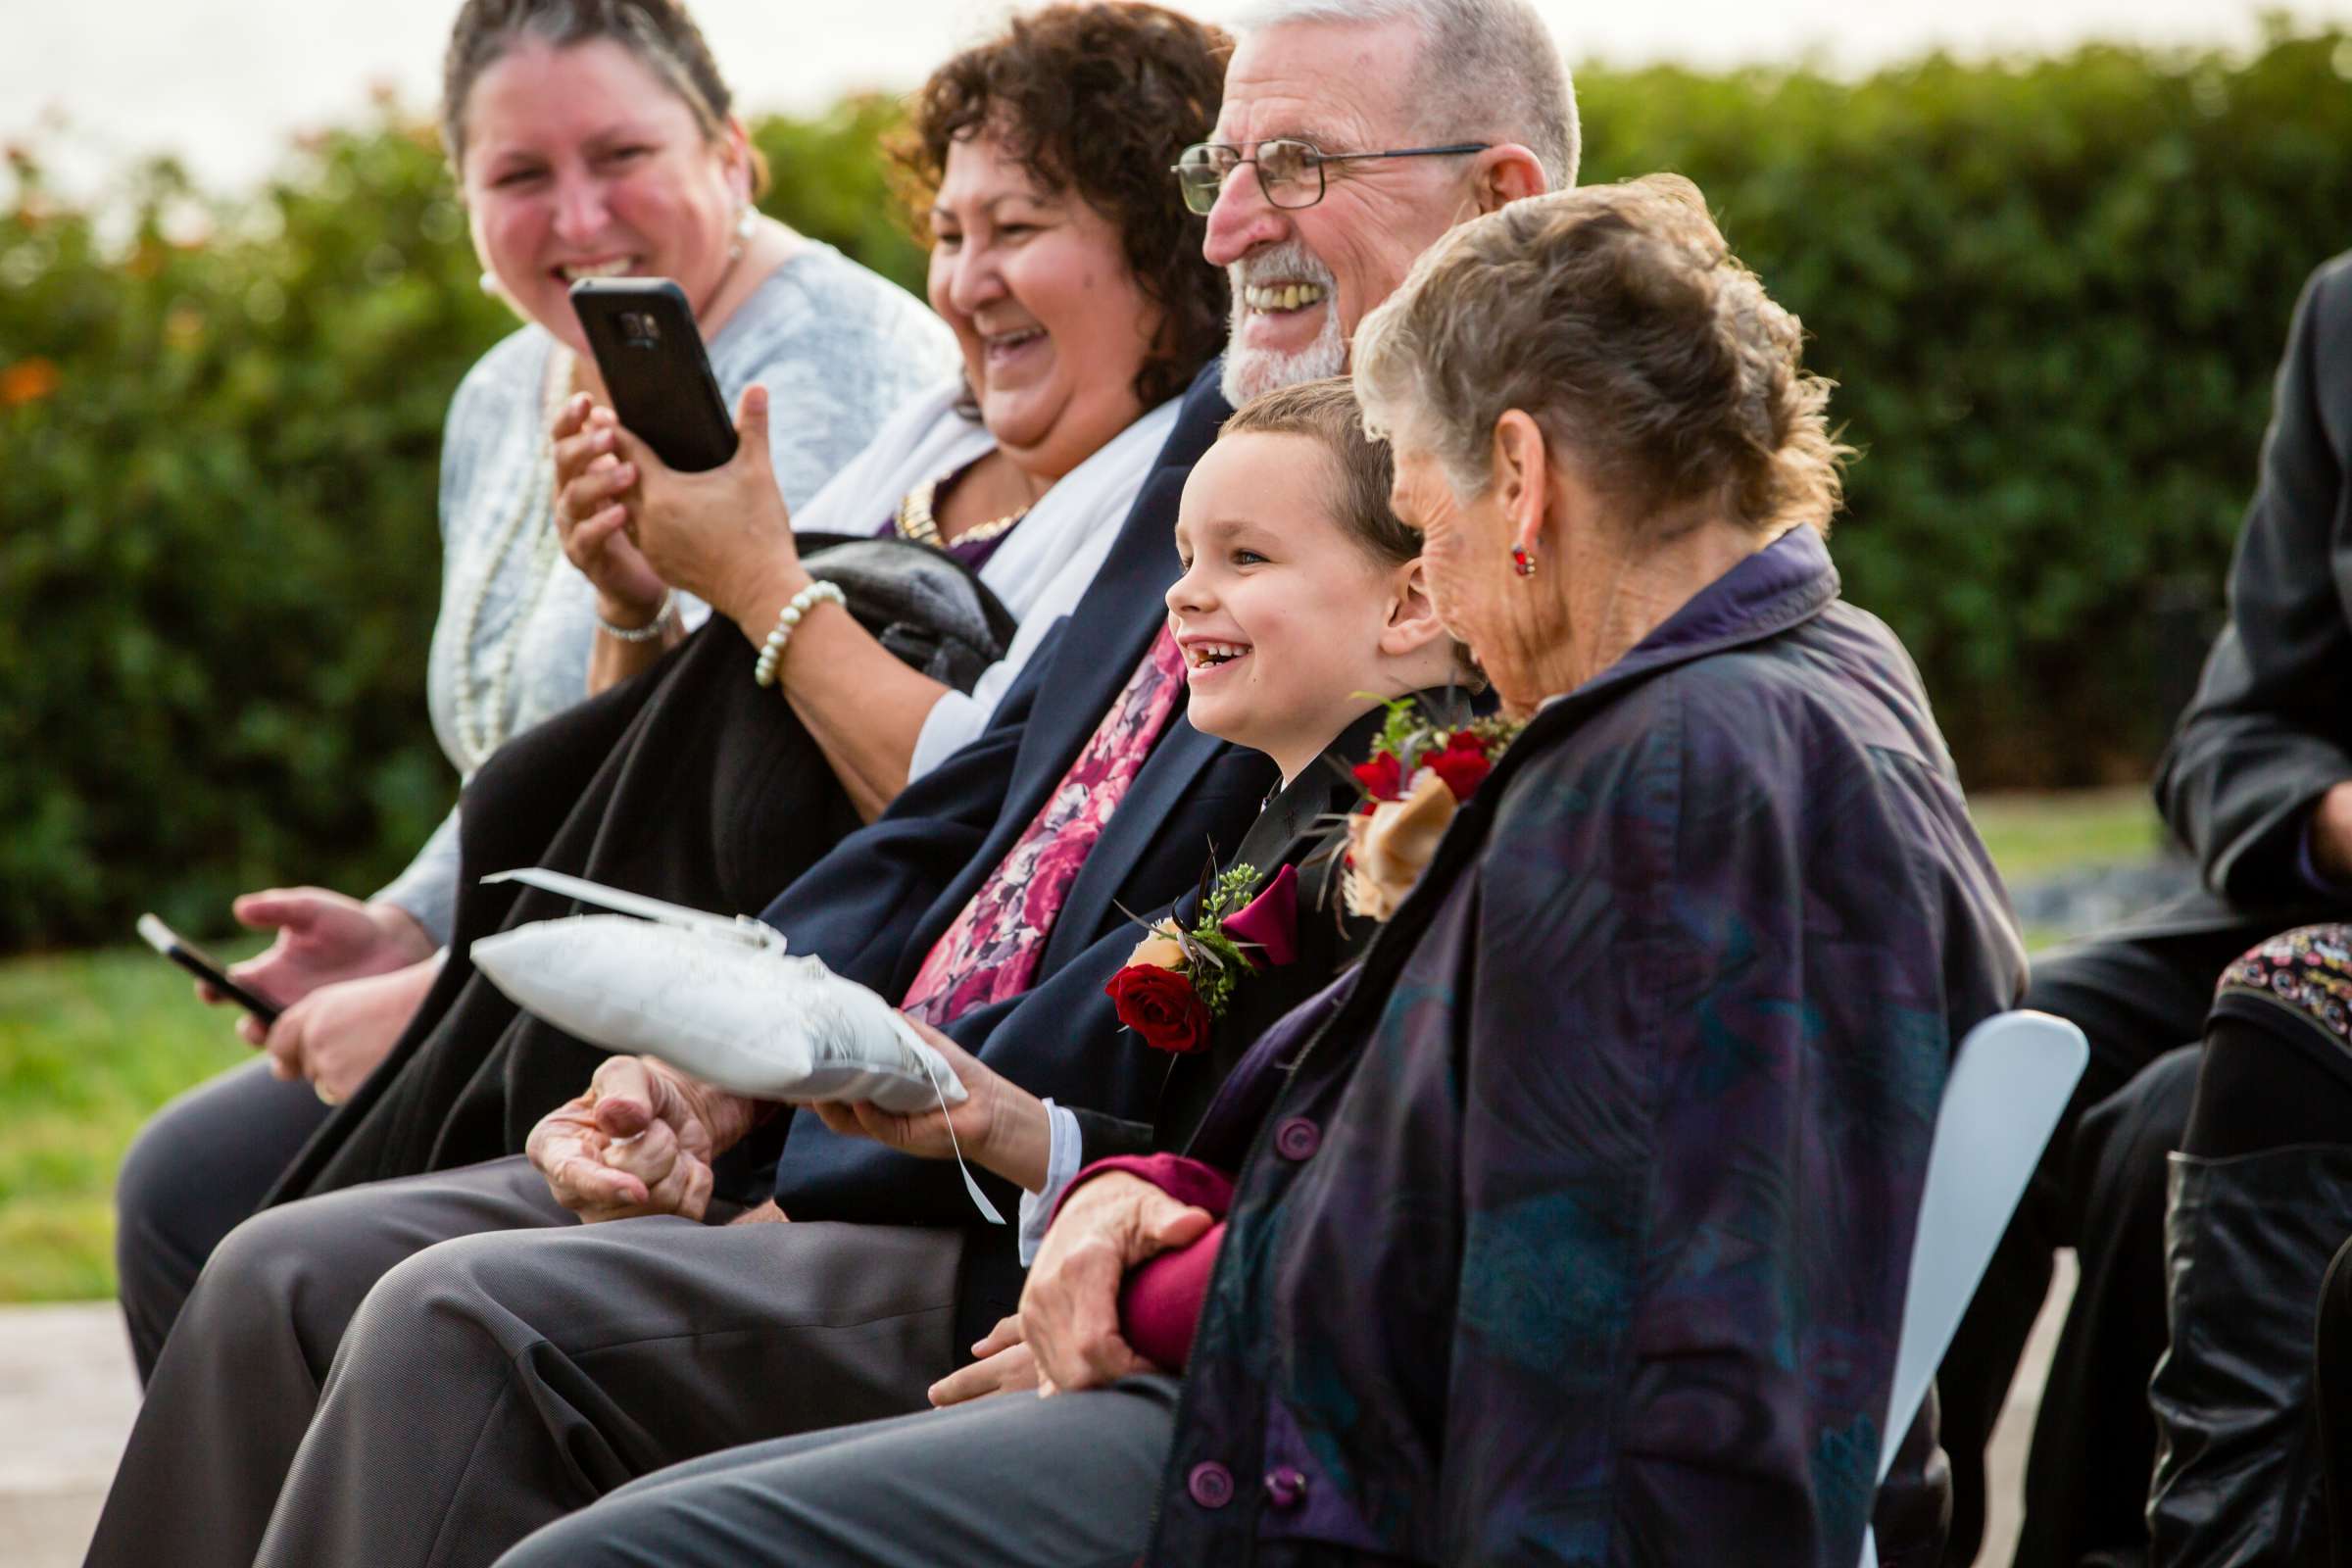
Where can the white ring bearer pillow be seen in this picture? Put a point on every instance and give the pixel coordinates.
(719, 998)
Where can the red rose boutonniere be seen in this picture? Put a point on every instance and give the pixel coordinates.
(1178, 982)
(1160, 1005)
(1416, 779)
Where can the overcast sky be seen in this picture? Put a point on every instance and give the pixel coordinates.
(225, 83)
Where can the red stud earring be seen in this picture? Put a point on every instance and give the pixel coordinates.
(1523, 561)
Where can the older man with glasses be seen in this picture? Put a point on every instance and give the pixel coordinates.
(1351, 136)
(1284, 328)
(1354, 133)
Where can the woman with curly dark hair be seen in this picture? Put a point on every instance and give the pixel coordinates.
(1039, 93)
(1073, 287)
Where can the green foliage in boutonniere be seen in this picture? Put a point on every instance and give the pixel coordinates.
(1180, 979)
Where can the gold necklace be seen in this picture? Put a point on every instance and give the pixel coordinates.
(916, 524)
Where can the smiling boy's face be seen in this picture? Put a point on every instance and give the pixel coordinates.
(1280, 611)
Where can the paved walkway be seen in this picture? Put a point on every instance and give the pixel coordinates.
(2005, 1465)
(68, 1396)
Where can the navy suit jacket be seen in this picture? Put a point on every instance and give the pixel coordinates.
(874, 907)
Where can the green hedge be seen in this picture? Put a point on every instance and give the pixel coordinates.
(2052, 291)
(218, 554)
(2054, 295)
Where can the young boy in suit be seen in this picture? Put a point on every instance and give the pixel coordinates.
(1301, 610)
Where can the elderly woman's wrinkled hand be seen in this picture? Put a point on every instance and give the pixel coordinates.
(723, 535)
(1070, 1305)
(639, 1140)
(593, 496)
(1005, 1366)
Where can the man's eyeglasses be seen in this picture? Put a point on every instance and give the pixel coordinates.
(1289, 171)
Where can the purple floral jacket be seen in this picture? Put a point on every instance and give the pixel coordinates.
(1575, 1229)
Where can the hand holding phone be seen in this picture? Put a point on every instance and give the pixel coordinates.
(594, 517)
(168, 941)
(725, 536)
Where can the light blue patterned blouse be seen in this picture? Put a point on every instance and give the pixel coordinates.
(838, 347)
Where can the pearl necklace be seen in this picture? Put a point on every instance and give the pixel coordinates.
(481, 706)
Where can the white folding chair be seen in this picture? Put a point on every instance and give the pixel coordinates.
(2008, 1086)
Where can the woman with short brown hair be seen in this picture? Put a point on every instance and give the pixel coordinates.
(585, 137)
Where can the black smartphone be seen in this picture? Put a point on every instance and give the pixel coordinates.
(199, 964)
(651, 355)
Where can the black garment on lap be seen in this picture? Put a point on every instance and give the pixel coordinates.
(2143, 1000)
(2256, 1429)
(2260, 1202)
(687, 782)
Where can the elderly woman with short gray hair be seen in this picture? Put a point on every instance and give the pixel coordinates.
(1575, 1224)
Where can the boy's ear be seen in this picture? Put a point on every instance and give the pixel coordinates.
(1413, 623)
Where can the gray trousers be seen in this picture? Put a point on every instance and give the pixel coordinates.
(1011, 1481)
(423, 1371)
(200, 1166)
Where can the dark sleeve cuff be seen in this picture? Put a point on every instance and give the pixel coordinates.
(2307, 864)
(1103, 1137)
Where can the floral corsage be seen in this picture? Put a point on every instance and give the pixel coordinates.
(1417, 777)
(1178, 980)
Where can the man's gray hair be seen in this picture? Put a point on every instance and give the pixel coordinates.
(1495, 55)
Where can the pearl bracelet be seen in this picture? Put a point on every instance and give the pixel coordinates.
(651, 629)
(772, 653)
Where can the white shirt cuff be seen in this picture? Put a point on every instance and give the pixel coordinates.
(1061, 1164)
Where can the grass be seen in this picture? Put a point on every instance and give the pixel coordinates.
(2037, 835)
(91, 1044)
(2032, 836)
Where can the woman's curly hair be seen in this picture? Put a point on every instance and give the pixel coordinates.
(1097, 100)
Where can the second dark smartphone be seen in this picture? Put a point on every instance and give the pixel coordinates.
(204, 967)
(651, 355)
